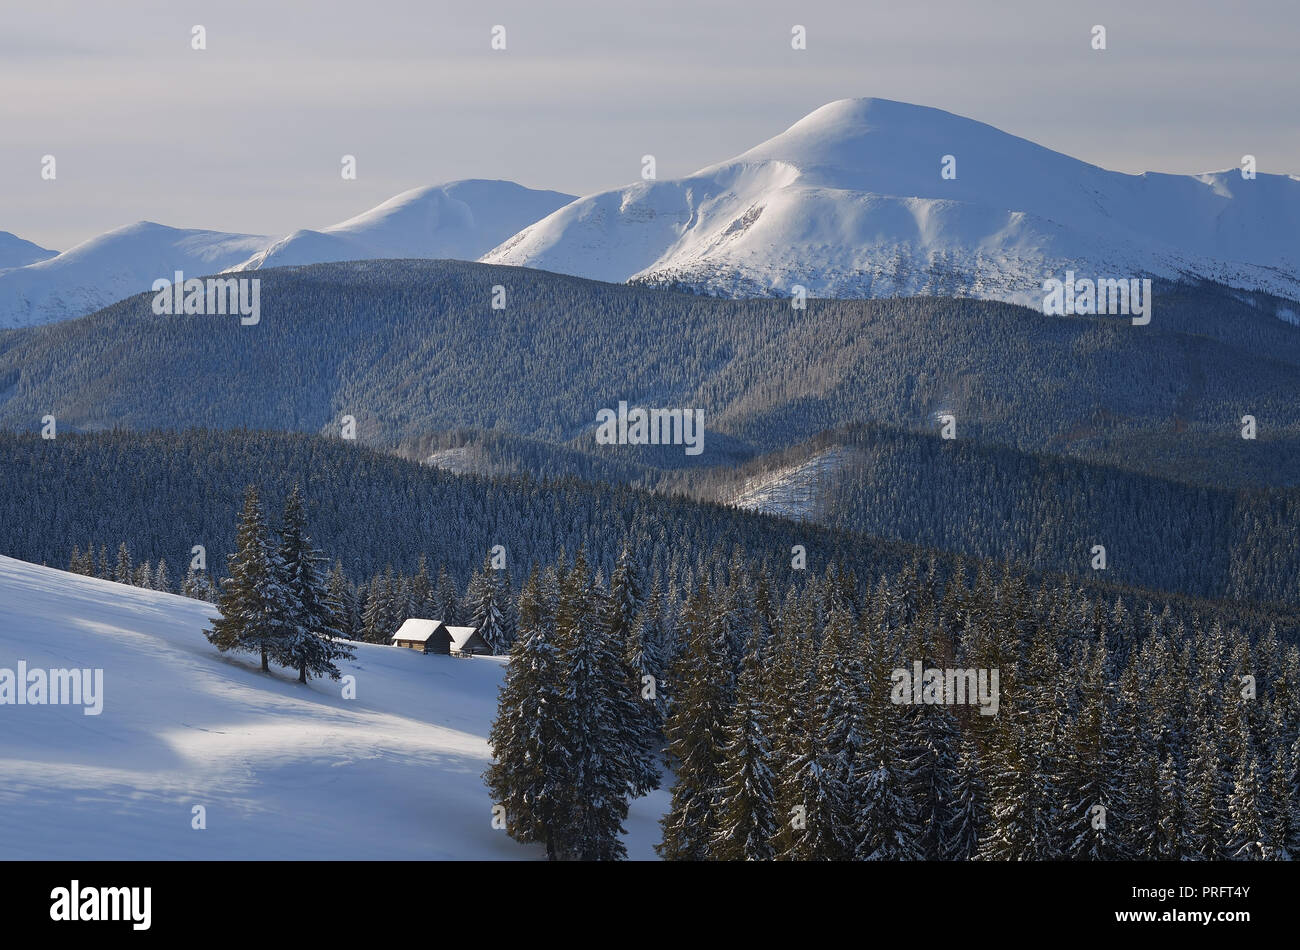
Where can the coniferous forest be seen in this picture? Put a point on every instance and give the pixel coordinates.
(926, 660)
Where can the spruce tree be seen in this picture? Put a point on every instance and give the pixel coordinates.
(970, 807)
(747, 798)
(122, 571)
(375, 624)
(595, 704)
(483, 604)
(641, 740)
(314, 636)
(340, 593)
(1246, 833)
(161, 578)
(252, 601)
(422, 591)
(697, 733)
(446, 600)
(1168, 844)
(839, 715)
(531, 737)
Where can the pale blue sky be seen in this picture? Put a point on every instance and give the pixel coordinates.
(247, 135)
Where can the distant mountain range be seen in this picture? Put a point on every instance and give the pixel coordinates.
(15, 252)
(460, 220)
(851, 201)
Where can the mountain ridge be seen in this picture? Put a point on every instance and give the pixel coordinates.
(850, 202)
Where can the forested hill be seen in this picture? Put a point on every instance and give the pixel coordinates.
(410, 348)
(162, 493)
(1040, 510)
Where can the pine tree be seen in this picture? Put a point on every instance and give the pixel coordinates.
(161, 578)
(252, 600)
(697, 733)
(376, 623)
(122, 571)
(1091, 767)
(812, 803)
(747, 797)
(595, 704)
(446, 600)
(314, 636)
(839, 718)
(531, 740)
(143, 575)
(970, 807)
(1204, 818)
(648, 655)
(1280, 818)
(340, 593)
(422, 591)
(640, 713)
(1169, 795)
(483, 603)
(1246, 832)
(197, 585)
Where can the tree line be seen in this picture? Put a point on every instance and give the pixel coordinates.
(1120, 733)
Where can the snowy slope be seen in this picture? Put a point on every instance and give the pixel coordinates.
(849, 201)
(112, 266)
(284, 771)
(461, 220)
(15, 252)
(792, 491)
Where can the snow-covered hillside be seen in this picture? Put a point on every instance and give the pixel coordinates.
(283, 770)
(792, 491)
(462, 221)
(850, 201)
(16, 252)
(112, 266)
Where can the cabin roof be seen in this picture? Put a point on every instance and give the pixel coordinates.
(417, 630)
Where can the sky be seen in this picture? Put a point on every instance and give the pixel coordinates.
(248, 134)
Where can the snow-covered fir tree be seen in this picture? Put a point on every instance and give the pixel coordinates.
(314, 636)
(253, 600)
(483, 604)
(747, 799)
(531, 738)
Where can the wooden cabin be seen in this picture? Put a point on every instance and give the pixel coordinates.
(434, 636)
(427, 636)
(467, 641)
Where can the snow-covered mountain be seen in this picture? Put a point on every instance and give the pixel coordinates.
(111, 266)
(283, 770)
(15, 252)
(462, 221)
(850, 201)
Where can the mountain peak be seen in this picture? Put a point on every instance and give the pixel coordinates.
(872, 197)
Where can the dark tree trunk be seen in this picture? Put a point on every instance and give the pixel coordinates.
(302, 673)
(266, 667)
